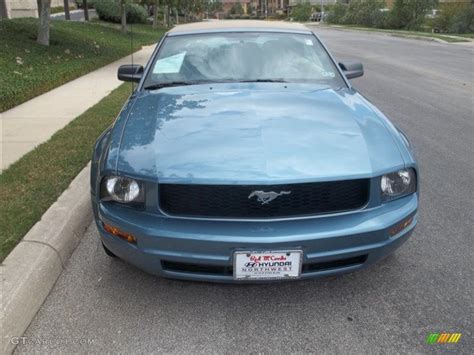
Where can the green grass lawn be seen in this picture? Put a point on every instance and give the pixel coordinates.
(28, 69)
(467, 35)
(33, 183)
(402, 33)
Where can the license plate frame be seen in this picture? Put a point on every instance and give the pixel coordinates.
(267, 265)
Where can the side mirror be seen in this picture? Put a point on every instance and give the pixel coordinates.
(352, 69)
(130, 72)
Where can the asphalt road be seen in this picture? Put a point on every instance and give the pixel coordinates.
(100, 304)
(76, 15)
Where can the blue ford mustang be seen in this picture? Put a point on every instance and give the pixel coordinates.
(245, 155)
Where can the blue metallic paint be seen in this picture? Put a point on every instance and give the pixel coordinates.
(243, 133)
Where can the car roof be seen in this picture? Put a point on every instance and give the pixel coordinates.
(238, 26)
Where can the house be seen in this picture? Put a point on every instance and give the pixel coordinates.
(256, 7)
(227, 5)
(293, 3)
(22, 8)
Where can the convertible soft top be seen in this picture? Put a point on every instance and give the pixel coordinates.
(238, 25)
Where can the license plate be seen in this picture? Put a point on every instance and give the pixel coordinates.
(267, 265)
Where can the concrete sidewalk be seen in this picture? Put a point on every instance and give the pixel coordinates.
(25, 126)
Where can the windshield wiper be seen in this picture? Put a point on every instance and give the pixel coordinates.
(184, 83)
(263, 81)
(169, 84)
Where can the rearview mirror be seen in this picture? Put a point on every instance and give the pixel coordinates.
(130, 72)
(352, 69)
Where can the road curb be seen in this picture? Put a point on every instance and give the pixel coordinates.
(461, 40)
(30, 271)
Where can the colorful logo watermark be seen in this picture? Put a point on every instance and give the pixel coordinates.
(443, 338)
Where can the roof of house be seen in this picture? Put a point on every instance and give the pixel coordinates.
(238, 25)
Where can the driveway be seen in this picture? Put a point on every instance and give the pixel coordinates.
(103, 305)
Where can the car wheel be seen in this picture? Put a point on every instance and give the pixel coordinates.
(108, 252)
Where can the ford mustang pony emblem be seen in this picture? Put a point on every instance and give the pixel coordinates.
(266, 197)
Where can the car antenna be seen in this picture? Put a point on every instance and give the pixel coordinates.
(131, 50)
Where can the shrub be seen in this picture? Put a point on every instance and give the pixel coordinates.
(455, 18)
(364, 12)
(337, 13)
(301, 12)
(280, 16)
(109, 10)
(237, 9)
(136, 13)
(409, 14)
(359, 12)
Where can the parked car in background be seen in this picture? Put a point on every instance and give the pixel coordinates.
(80, 4)
(244, 155)
(315, 17)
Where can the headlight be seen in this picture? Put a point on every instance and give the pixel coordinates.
(400, 183)
(122, 189)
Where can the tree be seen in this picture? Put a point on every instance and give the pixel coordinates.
(365, 12)
(301, 12)
(86, 10)
(156, 6)
(66, 10)
(237, 9)
(3, 9)
(409, 14)
(212, 6)
(455, 18)
(44, 7)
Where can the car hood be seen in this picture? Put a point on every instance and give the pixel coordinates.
(254, 133)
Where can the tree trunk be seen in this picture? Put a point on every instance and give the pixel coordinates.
(155, 13)
(66, 10)
(3, 9)
(86, 10)
(43, 23)
(123, 11)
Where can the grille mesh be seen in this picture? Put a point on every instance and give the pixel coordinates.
(232, 201)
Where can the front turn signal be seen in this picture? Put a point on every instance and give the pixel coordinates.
(400, 226)
(118, 233)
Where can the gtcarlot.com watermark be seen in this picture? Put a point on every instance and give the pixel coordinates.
(50, 341)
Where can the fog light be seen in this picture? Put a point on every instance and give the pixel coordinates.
(400, 226)
(118, 233)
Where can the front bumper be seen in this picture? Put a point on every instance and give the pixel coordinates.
(203, 249)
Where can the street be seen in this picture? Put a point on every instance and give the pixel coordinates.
(76, 15)
(101, 304)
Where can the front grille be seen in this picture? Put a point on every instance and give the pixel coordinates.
(197, 268)
(228, 270)
(232, 201)
(334, 264)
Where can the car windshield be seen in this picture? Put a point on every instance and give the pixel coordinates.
(242, 57)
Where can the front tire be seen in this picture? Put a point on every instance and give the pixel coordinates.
(108, 252)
